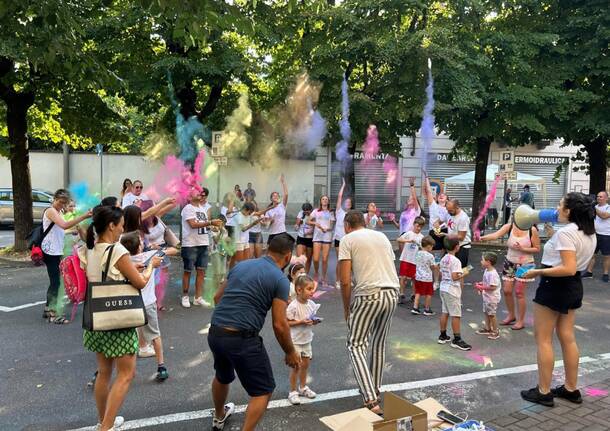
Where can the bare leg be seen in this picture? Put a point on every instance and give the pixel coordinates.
(443, 321)
(455, 325)
(186, 280)
(487, 322)
(258, 250)
(220, 393)
(520, 288)
(141, 339)
(428, 301)
(606, 264)
(126, 370)
(199, 282)
(569, 348)
(255, 411)
(493, 323)
(294, 376)
(303, 371)
(158, 346)
(325, 253)
(316, 259)
(309, 254)
(591, 264)
(337, 266)
(545, 321)
(102, 383)
(416, 301)
(510, 302)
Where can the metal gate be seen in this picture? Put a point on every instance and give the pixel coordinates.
(554, 192)
(440, 168)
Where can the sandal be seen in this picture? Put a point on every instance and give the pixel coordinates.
(517, 328)
(374, 407)
(508, 322)
(59, 320)
(47, 313)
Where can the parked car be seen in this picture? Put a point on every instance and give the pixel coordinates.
(41, 199)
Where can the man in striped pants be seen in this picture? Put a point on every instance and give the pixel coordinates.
(368, 257)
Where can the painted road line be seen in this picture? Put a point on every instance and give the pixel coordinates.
(203, 414)
(20, 307)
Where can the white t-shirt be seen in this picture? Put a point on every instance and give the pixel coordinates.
(460, 223)
(569, 238)
(148, 292)
(372, 259)
(407, 217)
(324, 218)
(449, 265)
(156, 234)
(339, 226)
(371, 223)
(130, 198)
(409, 249)
(241, 220)
(491, 278)
(53, 243)
(305, 229)
(230, 216)
(424, 261)
(197, 236)
(602, 226)
(301, 334)
(437, 213)
(278, 219)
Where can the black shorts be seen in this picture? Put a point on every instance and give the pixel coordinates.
(337, 242)
(438, 240)
(560, 294)
(603, 244)
(307, 242)
(244, 355)
(462, 255)
(255, 238)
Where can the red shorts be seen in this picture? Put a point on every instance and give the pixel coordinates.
(424, 288)
(407, 269)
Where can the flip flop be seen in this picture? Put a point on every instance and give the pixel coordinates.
(505, 323)
(59, 320)
(517, 329)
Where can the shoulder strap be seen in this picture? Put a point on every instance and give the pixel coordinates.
(48, 229)
(109, 249)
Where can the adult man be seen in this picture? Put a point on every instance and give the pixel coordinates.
(368, 255)
(249, 193)
(506, 207)
(527, 197)
(459, 225)
(602, 230)
(135, 195)
(438, 214)
(252, 288)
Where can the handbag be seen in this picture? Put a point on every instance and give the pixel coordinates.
(114, 304)
(170, 238)
(34, 240)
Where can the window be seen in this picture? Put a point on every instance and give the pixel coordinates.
(40, 197)
(6, 195)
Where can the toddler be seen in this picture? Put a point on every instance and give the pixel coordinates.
(426, 267)
(411, 241)
(489, 289)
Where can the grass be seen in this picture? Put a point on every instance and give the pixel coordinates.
(9, 253)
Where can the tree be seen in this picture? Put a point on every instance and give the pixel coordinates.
(45, 59)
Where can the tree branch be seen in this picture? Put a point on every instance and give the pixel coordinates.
(6, 91)
(212, 102)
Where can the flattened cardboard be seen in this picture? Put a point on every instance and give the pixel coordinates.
(353, 420)
(432, 407)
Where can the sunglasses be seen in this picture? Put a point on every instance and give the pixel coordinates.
(138, 187)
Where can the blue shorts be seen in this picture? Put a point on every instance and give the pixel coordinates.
(194, 257)
(245, 356)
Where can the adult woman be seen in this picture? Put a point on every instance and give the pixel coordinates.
(53, 249)
(230, 209)
(559, 295)
(117, 347)
(238, 194)
(134, 215)
(322, 220)
(255, 235)
(522, 247)
(277, 214)
(127, 187)
(342, 208)
(305, 234)
(371, 219)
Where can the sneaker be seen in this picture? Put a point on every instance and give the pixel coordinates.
(338, 285)
(162, 374)
(429, 312)
(586, 274)
(186, 302)
(534, 396)
(442, 339)
(219, 424)
(201, 302)
(493, 335)
(146, 352)
(605, 278)
(415, 311)
(307, 393)
(294, 398)
(460, 344)
(118, 423)
(571, 396)
(482, 331)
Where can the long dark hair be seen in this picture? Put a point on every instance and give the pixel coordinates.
(125, 185)
(320, 203)
(582, 211)
(133, 219)
(102, 217)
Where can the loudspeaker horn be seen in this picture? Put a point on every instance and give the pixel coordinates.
(525, 217)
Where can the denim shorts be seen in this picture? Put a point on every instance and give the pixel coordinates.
(194, 257)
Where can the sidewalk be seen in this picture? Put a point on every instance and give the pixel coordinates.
(592, 415)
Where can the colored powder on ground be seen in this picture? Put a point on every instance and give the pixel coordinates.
(595, 392)
(489, 200)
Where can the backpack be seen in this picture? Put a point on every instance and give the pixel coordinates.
(35, 238)
(75, 280)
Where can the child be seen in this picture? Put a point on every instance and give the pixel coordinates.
(411, 241)
(217, 269)
(242, 222)
(301, 317)
(150, 332)
(294, 271)
(489, 288)
(424, 276)
(452, 276)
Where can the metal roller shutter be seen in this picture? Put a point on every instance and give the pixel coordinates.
(554, 192)
(446, 169)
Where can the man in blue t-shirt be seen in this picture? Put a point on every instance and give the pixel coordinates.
(253, 287)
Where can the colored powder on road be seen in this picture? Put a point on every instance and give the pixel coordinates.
(488, 202)
(427, 124)
(595, 392)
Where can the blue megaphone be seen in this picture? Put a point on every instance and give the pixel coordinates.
(525, 217)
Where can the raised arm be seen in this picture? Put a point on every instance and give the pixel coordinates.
(340, 195)
(284, 189)
(165, 205)
(428, 190)
(56, 218)
(497, 234)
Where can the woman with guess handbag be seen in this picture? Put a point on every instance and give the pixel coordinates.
(114, 347)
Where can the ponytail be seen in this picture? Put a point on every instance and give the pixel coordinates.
(90, 237)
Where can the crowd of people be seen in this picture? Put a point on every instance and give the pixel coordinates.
(127, 239)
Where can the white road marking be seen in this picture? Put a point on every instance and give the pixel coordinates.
(20, 307)
(203, 414)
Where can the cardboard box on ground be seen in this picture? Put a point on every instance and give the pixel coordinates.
(399, 415)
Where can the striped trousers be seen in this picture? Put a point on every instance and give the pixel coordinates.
(369, 323)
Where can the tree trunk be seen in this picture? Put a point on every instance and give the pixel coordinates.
(597, 152)
(480, 175)
(17, 123)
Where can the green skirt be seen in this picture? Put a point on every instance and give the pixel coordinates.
(112, 344)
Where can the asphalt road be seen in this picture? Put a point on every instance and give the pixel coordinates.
(46, 369)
